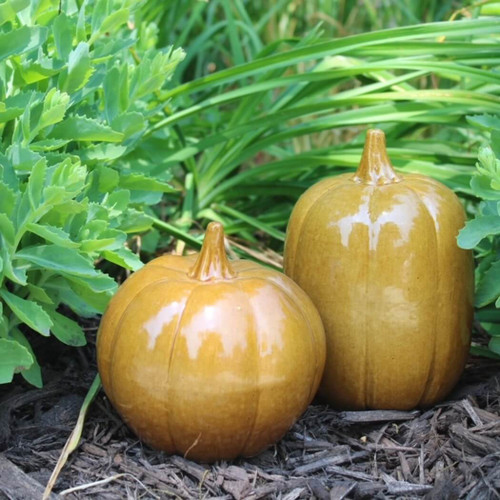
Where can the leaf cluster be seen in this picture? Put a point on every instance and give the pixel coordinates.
(251, 137)
(482, 232)
(79, 89)
(104, 135)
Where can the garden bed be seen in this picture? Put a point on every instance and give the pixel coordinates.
(449, 451)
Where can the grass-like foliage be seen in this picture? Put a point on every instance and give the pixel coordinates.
(252, 136)
(121, 118)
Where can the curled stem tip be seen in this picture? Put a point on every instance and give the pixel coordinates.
(212, 262)
(375, 167)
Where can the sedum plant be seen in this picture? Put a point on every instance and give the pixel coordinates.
(482, 233)
(80, 86)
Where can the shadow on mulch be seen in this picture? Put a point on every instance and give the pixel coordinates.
(450, 451)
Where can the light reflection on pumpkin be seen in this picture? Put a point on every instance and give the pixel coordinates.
(210, 358)
(377, 254)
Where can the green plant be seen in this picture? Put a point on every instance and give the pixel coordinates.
(251, 138)
(105, 136)
(483, 234)
(79, 90)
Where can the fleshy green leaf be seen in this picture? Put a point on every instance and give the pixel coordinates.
(52, 234)
(486, 122)
(36, 183)
(59, 288)
(63, 29)
(33, 374)
(481, 186)
(129, 123)
(488, 289)
(95, 292)
(54, 108)
(101, 283)
(110, 24)
(477, 229)
(35, 71)
(28, 312)
(22, 158)
(477, 350)
(21, 40)
(102, 152)
(7, 231)
(79, 69)
(108, 179)
(7, 199)
(9, 9)
(67, 174)
(80, 128)
(136, 222)
(108, 239)
(111, 96)
(67, 260)
(16, 274)
(39, 294)
(494, 345)
(154, 70)
(123, 257)
(48, 144)
(66, 330)
(13, 358)
(144, 183)
(81, 32)
(116, 202)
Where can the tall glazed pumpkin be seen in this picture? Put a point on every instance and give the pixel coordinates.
(377, 254)
(210, 358)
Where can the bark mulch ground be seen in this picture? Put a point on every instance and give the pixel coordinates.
(447, 452)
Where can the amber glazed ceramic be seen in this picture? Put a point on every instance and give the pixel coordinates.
(377, 254)
(209, 358)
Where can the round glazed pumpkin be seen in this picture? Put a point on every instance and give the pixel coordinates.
(210, 358)
(377, 254)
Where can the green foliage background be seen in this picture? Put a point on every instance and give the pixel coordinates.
(145, 120)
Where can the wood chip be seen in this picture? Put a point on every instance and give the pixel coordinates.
(328, 461)
(473, 442)
(94, 450)
(421, 466)
(404, 488)
(472, 413)
(17, 485)
(340, 489)
(405, 468)
(318, 489)
(333, 469)
(192, 468)
(238, 489)
(370, 416)
(236, 473)
(294, 494)
(327, 455)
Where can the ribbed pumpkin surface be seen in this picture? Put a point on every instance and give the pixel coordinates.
(209, 358)
(377, 254)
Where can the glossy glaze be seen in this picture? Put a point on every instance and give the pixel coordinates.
(210, 358)
(377, 254)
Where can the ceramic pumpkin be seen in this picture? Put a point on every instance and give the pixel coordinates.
(377, 254)
(210, 358)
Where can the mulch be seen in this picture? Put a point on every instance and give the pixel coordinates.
(449, 451)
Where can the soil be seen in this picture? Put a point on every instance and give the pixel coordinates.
(447, 452)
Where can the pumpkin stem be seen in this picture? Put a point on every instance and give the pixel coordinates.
(212, 262)
(375, 167)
